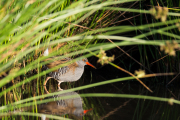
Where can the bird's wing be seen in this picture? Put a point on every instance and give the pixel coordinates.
(56, 62)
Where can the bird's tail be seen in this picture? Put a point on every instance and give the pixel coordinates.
(46, 52)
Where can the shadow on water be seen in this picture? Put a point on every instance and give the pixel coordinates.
(107, 108)
(141, 109)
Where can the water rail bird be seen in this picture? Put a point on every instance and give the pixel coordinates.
(69, 73)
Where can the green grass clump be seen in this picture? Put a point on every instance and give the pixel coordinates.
(74, 29)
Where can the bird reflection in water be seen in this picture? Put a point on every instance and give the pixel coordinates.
(71, 106)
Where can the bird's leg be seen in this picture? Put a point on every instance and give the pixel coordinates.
(45, 84)
(59, 85)
(47, 80)
(46, 89)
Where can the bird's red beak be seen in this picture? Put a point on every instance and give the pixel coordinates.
(87, 63)
(85, 111)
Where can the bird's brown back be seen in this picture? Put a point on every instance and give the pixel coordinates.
(56, 62)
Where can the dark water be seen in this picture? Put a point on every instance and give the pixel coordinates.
(107, 108)
(112, 108)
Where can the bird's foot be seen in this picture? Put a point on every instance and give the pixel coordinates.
(59, 88)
